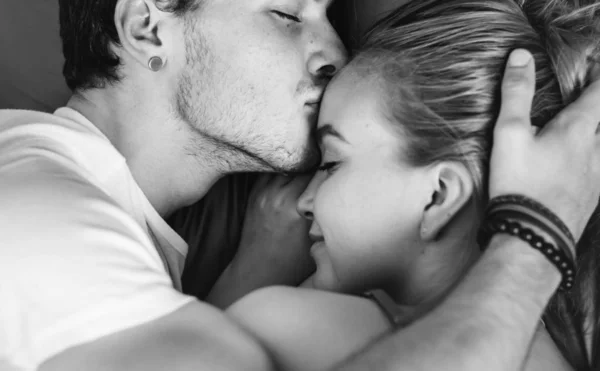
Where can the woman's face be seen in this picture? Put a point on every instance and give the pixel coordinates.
(366, 202)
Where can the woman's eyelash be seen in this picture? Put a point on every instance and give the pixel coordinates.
(328, 166)
(287, 16)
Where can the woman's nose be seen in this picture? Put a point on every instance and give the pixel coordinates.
(305, 202)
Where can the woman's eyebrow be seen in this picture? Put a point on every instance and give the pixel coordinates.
(327, 129)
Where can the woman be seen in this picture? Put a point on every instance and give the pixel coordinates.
(405, 134)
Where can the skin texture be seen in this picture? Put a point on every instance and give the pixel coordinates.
(254, 109)
(261, 81)
(359, 177)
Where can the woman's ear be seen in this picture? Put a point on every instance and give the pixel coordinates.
(138, 24)
(452, 190)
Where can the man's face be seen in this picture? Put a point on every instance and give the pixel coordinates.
(254, 76)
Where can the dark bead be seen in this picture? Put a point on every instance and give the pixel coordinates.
(526, 234)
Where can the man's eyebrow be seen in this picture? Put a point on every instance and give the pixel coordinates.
(328, 129)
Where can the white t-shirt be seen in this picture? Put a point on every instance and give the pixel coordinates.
(83, 254)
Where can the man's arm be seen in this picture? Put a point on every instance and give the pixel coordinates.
(84, 289)
(487, 323)
(196, 337)
(293, 323)
(489, 320)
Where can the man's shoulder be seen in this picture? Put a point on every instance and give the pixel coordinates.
(26, 121)
(66, 133)
(68, 247)
(18, 114)
(12, 117)
(46, 198)
(43, 153)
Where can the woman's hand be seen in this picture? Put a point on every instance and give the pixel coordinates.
(559, 165)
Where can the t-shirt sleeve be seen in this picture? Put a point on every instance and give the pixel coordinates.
(74, 266)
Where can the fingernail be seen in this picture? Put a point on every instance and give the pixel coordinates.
(519, 58)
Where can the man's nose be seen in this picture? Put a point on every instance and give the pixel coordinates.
(329, 58)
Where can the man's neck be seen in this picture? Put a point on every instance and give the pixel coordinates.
(164, 157)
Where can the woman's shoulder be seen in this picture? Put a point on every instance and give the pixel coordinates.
(300, 307)
(294, 323)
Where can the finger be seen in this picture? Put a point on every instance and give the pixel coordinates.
(518, 87)
(583, 115)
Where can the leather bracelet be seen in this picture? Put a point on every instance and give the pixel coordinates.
(523, 214)
(537, 214)
(513, 214)
(558, 257)
(534, 206)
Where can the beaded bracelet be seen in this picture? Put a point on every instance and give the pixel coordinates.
(512, 214)
(532, 205)
(522, 214)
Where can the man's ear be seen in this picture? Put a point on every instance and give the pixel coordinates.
(452, 190)
(138, 24)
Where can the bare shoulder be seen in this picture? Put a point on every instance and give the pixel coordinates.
(309, 329)
(544, 355)
(196, 337)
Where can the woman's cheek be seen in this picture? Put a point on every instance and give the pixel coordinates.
(339, 208)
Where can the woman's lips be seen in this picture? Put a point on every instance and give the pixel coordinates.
(316, 247)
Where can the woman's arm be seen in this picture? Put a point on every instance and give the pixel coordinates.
(544, 354)
(305, 329)
(314, 330)
(487, 323)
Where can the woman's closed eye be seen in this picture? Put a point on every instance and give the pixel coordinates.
(329, 167)
(286, 16)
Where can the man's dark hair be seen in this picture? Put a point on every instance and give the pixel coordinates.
(87, 30)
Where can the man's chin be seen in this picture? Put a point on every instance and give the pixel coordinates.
(304, 163)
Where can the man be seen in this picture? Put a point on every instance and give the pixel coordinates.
(168, 97)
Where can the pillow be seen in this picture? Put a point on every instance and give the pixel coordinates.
(31, 62)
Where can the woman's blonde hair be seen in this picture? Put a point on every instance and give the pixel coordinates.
(441, 63)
